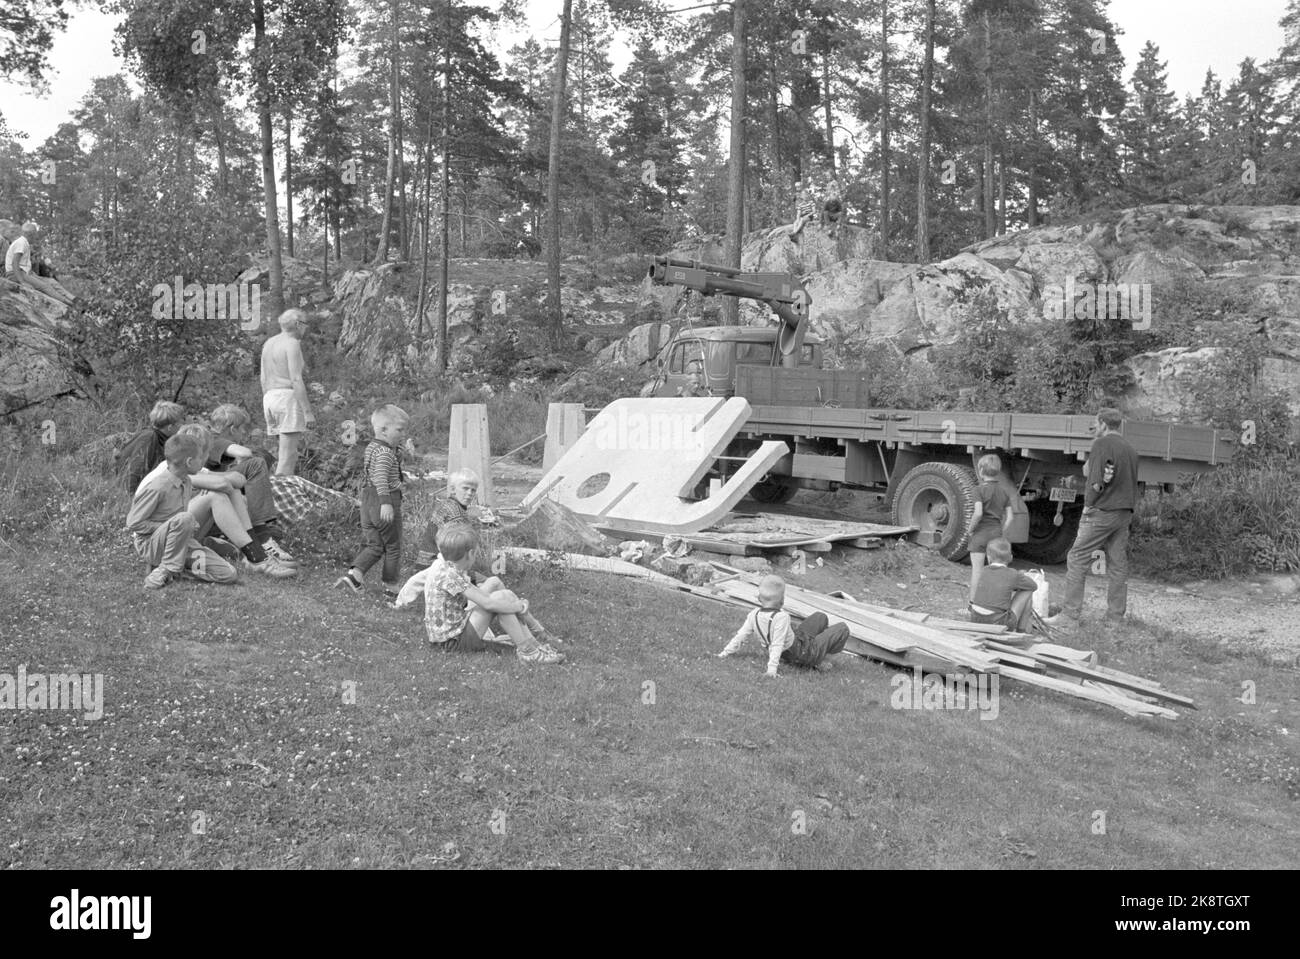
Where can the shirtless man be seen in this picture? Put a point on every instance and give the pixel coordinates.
(284, 395)
(18, 267)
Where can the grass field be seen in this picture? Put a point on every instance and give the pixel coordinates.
(227, 741)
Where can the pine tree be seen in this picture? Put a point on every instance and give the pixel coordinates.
(1149, 128)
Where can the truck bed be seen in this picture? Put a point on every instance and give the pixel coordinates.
(1028, 434)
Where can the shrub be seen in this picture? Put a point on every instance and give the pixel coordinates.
(1238, 518)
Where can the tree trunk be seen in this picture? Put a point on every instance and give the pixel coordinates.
(390, 175)
(1002, 195)
(288, 175)
(923, 154)
(464, 215)
(444, 256)
(1033, 159)
(774, 125)
(219, 135)
(403, 219)
(884, 130)
(736, 167)
(826, 108)
(423, 298)
(990, 225)
(553, 303)
(263, 97)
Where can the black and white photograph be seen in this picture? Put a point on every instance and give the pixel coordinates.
(654, 435)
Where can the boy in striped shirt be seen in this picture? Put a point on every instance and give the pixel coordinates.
(381, 503)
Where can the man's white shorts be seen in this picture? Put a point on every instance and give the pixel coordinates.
(283, 413)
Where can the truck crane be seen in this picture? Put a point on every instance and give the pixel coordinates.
(920, 463)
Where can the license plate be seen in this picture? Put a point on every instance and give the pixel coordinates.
(1061, 494)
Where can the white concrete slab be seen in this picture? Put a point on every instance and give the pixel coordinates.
(637, 458)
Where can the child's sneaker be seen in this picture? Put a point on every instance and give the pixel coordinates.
(347, 580)
(158, 578)
(271, 567)
(424, 558)
(542, 654)
(277, 551)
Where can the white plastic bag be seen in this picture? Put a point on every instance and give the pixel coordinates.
(1041, 601)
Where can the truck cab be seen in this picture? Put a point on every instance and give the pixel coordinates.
(704, 361)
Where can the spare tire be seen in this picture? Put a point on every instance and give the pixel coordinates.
(939, 499)
(1048, 543)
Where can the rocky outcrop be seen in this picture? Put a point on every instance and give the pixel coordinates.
(641, 345)
(1161, 380)
(38, 355)
(1245, 258)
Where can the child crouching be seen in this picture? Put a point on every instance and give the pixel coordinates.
(1003, 594)
(806, 645)
(459, 616)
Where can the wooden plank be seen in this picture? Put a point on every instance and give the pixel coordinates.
(908, 660)
(1087, 673)
(1132, 706)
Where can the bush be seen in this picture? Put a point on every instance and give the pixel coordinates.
(597, 386)
(1241, 517)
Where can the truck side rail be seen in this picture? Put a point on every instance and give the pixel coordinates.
(1026, 434)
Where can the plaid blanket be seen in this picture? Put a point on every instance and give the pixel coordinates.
(296, 497)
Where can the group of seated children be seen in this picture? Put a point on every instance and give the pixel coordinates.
(173, 526)
(998, 594)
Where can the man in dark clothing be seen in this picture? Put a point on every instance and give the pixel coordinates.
(1108, 505)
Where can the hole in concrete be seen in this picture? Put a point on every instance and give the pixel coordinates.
(593, 485)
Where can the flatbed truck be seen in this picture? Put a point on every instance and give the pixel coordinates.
(920, 462)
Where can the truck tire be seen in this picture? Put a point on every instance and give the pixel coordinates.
(1048, 543)
(938, 499)
(772, 489)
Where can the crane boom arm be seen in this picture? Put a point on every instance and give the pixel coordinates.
(783, 293)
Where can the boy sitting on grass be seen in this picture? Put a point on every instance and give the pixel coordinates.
(458, 505)
(163, 529)
(1004, 594)
(458, 615)
(144, 450)
(218, 503)
(381, 503)
(806, 645)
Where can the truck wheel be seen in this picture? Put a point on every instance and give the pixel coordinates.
(938, 499)
(772, 490)
(1047, 542)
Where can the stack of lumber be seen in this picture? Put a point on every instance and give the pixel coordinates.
(917, 640)
(932, 644)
